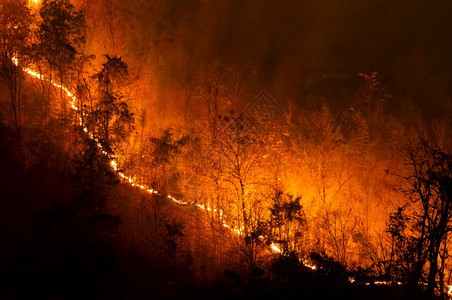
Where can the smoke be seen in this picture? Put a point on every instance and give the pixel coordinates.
(296, 47)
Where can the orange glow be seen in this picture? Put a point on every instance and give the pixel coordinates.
(33, 3)
(130, 180)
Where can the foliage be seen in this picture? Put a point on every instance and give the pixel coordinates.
(401, 260)
(287, 223)
(15, 23)
(166, 147)
(59, 33)
(111, 120)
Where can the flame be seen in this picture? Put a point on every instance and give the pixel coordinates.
(275, 248)
(131, 181)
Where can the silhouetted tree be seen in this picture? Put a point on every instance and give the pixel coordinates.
(173, 234)
(59, 35)
(400, 259)
(287, 223)
(111, 120)
(166, 147)
(430, 189)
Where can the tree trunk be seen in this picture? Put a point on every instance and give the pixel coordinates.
(433, 269)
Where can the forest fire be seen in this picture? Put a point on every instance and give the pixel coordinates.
(340, 187)
(113, 164)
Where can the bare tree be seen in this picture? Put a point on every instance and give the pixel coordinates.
(430, 190)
